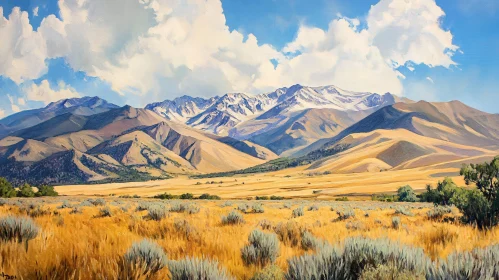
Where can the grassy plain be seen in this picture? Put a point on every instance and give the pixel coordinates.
(87, 246)
(290, 183)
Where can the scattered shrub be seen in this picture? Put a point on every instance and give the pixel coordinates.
(105, 212)
(76, 210)
(257, 208)
(438, 212)
(289, 232)
(243, 208)
(383, 272)
(157, 213)
(298, 212)
(209, 197)
(313, 208)
(403, 211)
(65, 204)
(310, 242)
(263, 248)
(194, 268)
(274, 197)
(146, 256)
(98, 202)
(407, 194)
(358, 254)
(262, 198)
(396, 222)
(233, 218)
(345, 214)
(19, 229)
(271, 272)
(164, 196)
(344, 198)
(354, 225)
(477, 264)
(187, 196)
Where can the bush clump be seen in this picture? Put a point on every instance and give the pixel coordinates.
(396, 223)
(358, 254)
(271, 272)
(257, 208)
(263, 248)
(407, 194)
(298, 212)
(438, 212)
(233, 218)
(345, 214)
(403, 211)
(194, 268)
(146, 256)
(19, 229)
(310, 242)
(157, 213)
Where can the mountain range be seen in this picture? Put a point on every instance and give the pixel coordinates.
(82, 140)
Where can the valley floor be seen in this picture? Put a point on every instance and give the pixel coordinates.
(84, 244)
(289, 183)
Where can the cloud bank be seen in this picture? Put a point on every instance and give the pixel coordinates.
(164, 48)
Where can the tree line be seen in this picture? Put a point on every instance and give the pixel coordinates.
(25, 190)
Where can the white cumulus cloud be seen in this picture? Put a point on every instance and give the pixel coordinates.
(45, 93)
(155, 49)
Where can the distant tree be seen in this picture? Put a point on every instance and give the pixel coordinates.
(45, 190)
(25, 191)
(6, 188)
(407, 194)
(442, 195)
(187, 196)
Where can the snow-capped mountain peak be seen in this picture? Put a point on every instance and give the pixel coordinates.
(220, 114)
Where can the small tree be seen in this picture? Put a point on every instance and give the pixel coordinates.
(45, 190)
(407, 194)
(442, 195)
(25, 191)
(480, 206)
(6, 189)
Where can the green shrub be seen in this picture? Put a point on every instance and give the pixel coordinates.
(186, 196)
(45, 190)
(209, 197)
(344, 198)
(476, 209)
(442, 195)
(25, 191)
(262, 198)
(164, 196)
(233, 218)
(6, 188)
(263, 248)
(194, 268)
(274, 197)
(407, 194)
(147, 256)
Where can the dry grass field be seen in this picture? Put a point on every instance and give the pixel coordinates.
(290, 183)
(76, 240)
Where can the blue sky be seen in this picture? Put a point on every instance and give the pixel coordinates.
(127, 52)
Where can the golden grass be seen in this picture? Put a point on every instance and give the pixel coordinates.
(85, 246)
(290, 183)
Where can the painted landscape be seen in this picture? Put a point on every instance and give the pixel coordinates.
(155, 140)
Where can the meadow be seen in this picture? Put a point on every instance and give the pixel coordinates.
(99, 238)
